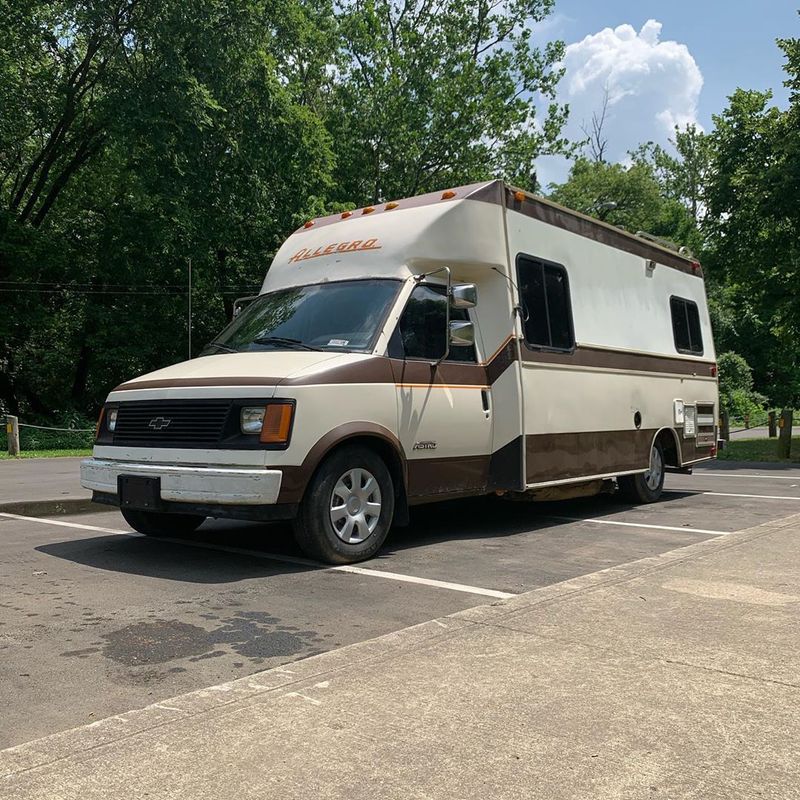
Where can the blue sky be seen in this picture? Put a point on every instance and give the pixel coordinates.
(664, 62)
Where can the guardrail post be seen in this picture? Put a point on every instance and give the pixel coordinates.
(12, 432)
(725, 425)
(773, 428)
(785, 435)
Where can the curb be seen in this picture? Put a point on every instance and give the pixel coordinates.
(306, 674)
(42, 508)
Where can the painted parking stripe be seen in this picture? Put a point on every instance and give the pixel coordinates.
(701, 472)
(796, 498)
(641, 525)
(372, 573)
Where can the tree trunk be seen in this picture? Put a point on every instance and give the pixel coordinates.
(785, 436)
(773, 428)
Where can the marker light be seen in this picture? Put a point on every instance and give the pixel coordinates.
(99, 423)
(390, 206)
(346, 214)
(309, 224)
(111, 419)
(368, 210)
(519, 196)
(448, 194)
(277, 423)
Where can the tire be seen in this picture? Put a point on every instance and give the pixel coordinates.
(334, 523)
(645, 487)
(154, 523)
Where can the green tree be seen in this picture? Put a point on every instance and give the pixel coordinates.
(429, 95)
(736, 392)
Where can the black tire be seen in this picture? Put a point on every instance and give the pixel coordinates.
(155, 523)
(314, 529)
(639, 488)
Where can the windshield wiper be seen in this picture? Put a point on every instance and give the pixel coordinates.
(295, 344)
(221, 346)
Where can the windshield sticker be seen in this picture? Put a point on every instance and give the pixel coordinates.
(336, 247)
(338, 343)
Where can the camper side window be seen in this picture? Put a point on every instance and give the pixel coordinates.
(686, 326)
(544, 293)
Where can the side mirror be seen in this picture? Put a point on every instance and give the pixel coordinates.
(462, 334)
(464, 295)
(241, 303)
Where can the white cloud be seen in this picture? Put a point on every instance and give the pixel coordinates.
(653, 86)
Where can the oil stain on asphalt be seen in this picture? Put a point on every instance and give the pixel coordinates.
(256, 635)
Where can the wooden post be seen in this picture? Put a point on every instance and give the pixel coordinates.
(773, 428)
(785, 435)
(725, 426)
(12, 431)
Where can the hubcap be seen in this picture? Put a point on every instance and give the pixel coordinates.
(355, 506)
(653, 476)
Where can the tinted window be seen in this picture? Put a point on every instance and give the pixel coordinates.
(340, 315)
(686, 326)
(544, 293)
(423, 327)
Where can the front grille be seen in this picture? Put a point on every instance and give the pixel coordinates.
(159, 423)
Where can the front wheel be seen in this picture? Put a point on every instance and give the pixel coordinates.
(645, 487)
(154, 523)
(348, 507)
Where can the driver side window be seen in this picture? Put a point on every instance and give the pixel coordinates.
(422, 330)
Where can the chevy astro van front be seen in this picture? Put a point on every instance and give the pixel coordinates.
(476, 341)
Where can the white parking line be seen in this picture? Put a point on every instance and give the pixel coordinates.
(640, 525)
(729, 494)
(700, 473)
(372, 573)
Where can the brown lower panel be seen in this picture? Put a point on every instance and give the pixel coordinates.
(560, 456)
(428, 477)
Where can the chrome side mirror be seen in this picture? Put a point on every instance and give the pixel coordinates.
(462, 334)
(464, 295)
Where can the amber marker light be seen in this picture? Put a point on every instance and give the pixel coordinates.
(390, 206)
(277, 423)
(368, 210)
(449, 194)
(309, 224)
(99, 422)
(346, 214)
(519, 196)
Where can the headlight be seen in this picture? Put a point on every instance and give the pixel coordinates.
(252, 419)
(111, 418)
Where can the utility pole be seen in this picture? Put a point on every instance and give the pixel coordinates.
(190, 308)
(12, 432)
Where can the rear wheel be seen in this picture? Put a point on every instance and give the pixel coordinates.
(154, 523)
(348, 507)
(646, 487)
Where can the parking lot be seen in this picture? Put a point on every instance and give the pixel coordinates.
(96, 620)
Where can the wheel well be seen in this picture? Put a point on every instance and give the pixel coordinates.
(394, 463)
(669, 444)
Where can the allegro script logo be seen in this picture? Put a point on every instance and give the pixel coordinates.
(336, 247)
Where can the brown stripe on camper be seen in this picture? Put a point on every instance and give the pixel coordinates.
(597, 357)
(574, 222)
(561, 456)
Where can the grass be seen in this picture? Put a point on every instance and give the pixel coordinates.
(758, 450)
(46, 454)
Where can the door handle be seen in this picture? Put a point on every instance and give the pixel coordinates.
(485, 400)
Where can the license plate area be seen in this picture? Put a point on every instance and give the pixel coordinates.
(137, 491)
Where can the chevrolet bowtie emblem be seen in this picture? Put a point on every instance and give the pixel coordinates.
(158, 423)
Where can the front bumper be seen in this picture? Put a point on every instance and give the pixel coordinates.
(235, 486)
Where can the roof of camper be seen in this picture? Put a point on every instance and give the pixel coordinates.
(536, 207)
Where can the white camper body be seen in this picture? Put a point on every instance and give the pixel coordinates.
(592, 359)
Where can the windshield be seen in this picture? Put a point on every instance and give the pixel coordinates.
(344, 315)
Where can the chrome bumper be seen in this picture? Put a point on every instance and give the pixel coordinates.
(185, 484)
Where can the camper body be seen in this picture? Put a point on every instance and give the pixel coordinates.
(470, 342)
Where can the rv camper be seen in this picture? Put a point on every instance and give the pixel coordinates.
(469, 342)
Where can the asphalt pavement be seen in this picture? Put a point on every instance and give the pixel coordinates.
(96, 620)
